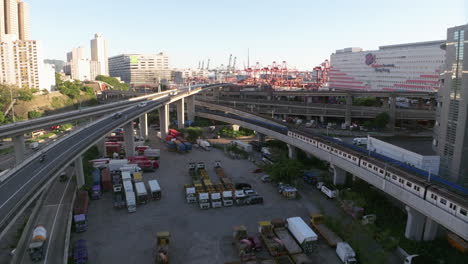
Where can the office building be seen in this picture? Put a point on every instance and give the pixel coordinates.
(451, 129)
(78, 66)
(140, 69)
(403, 67)
(99, 54)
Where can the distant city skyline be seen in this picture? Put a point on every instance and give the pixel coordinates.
(304, 33)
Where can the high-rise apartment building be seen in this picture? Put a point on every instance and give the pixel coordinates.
(451, 129)
(99, 54)
(23, 21)
(401, 67)
(11, 17)
(78, 66)
(140, 69)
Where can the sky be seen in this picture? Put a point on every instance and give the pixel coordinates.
(301, 32)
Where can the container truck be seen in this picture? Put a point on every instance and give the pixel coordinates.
(141, 193)
(329, 191)
(37, 247)
(155, 189)
(216, 200)
(242, 145)
(192, 167)
(153, 154)
(204, 200)
(126, 176)
(80, 211)
(116, 164)
(188, 146)
(34, 145)
(204, 144)
(118, 200)
(227, 198)
(131, 202)
(317, 223)
(245, 247)
(180, 146)
(303, 234)
(130, 168)
(273, 244)
(190, 194)
(287, 239)
(106, 180)
(346, 253)
(128, 187)
(162, 248)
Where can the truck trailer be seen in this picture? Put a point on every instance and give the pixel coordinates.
(286, 238)
(190, 194)
(216, 201)
(227, 198)
(80, 211)
(141, 193)
(317, 223)
(303, 234)
(204, 200)
(155, 189)
(37, 247)
(131, 202)
(346, 253)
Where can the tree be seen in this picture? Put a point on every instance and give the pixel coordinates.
(113, 82)
(34, 114)
(285, 170)
(381, 120)
(25, 94)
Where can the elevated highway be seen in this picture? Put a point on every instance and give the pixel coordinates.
(422, 215)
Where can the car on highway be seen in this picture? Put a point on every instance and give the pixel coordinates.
(117, 115)
(141, 104)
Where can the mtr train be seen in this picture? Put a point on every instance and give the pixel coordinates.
(410, 178)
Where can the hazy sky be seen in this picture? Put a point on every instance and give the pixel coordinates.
(302, 32)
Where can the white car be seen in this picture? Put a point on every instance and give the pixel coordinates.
(142, 104)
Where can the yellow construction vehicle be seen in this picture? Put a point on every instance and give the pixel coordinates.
(162, 248)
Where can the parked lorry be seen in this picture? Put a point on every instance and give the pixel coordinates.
(155, 189)
(303, 234)
(80, 211)
(240, 197)
(273, 244)
(227, 198)
(116, 164)
(141, 193)
(126, 176)
(37, 245)
(287, 191)
(80, 252)
(204, 144)
(192, 169)
(329, 191)
(216, 201)
(34, 145)
(162, 248)
(96, 188)
(317, 223)
(286, 238)
(118, 200)
(242, 145)
(131, 202)
(346, 253)
(245, 247)
(204, 200)
(106, 179)
(153, 154)
(190, 194)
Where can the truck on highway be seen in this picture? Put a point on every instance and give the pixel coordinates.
(205, 145)
(216, 201)
(155, 189)
(37, 247)
(141, 193)
(286, 238)
(162, 248)
(317, 223)
(204, 200)
(346, 253)
(227, 198)
(303, 234)
(130, 201)
(80, 211)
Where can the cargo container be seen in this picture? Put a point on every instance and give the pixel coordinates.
(155, 189)
(141, 193)
(36, 247)
(346, 253)
(106, 180)
(171, 146)
(317, 223)
(152, 153)
(128, 187)
(216, 200)
(180, 146)
(329, 191)
(126, 176)
(242, 145)
(204, 200)
(188, 146)
(174, 133)
(227, 198)
(303, 234)
(137, 177)
(80, 211)
(131, 202)
(116, 164)
(288, 240)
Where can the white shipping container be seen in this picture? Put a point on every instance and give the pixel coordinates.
(128, 187)
(126, 176)
(131, 201)
(242, 145)
(300, 230)
(140, 189)
(116, 164)
(154, 186)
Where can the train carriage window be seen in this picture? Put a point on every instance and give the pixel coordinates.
(394, 177)
(452, 206)
(381, 171)
(401, 180)
(376, 169)
(434, 197)
(364, 163)
(416, 188)
(463, 211)
(443, 201)
(369, 165)
(354, 159)
(409, 184)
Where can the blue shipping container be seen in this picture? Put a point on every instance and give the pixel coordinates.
(188, 146)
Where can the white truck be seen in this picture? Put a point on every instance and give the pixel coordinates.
(227, 198)
(204, 144)
(34, 145)
(240, 197)
(141, 193)
(190, 195)
(204, 200)
(131, 201)
(36, 247)
(128, 187)
(152, 153)
(126, 176)
(302, 233)
(155, 189)
(360, 141)
(329, 192)
(216, 200)
(242, 145)
(116, 164)
(346, 253)
(130, 167)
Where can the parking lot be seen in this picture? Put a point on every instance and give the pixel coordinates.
(197, 236)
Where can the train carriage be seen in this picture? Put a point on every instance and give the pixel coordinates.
(451, 202)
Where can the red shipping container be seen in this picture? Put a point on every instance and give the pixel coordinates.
(81, 203)
(181, 139)
(106, 180)
(169, 137)
(174, 133)
(137, 158)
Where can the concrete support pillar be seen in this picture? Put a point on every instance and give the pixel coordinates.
(144, 126)
(430, 229)
(309, 99)
(339, 175)
(80, 179)
(101, 145)
(392, 112)
(235, 127)
(349, 105)
(164, 120)
(414, 224)
(180, 113)
(261, 139)
(190, 107)
(20, 148)
(292, 152)
(322, 119)
(129, 139)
